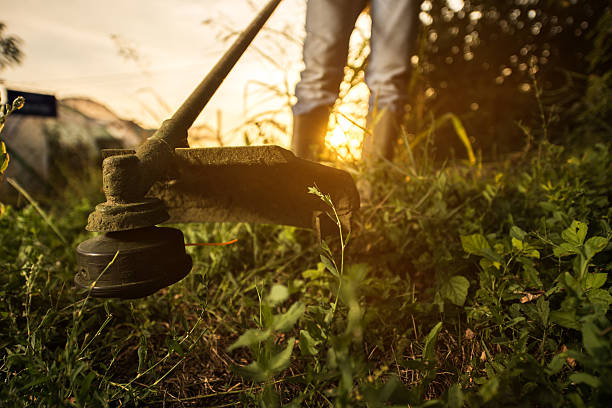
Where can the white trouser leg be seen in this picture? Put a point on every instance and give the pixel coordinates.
(387, 75)
(329, 24)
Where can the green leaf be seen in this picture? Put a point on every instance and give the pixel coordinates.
(533, 253)
(314, 190)
(254, 371)
(377, 396)
(329, 264)
(486, 264)
(576, 400)
(557, 363)
(531, 275)
(492, 256)
(592, 340)
(525, 248)
(584, 378)
(86, 385)
(543, 309)
(489, 389)
(599, 297)
(565, 249)
(142, 354)
(281, 361)
(519, 234)
(571, 283)
(269, 397)
(174, 345)
(517, 243)
(474, 244)
(325, 248)
(286, 321)
(249, 338)
(595, 280)
(565, 319)
(308, 345)
(575, 234)
(278, 294)
(455, 289)
(594, 245)
(455, 396)
(314, 274)
(357, 272)
(430, 342)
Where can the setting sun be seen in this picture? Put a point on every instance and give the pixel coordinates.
(345, 137)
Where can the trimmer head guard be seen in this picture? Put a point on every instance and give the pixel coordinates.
(147, 259)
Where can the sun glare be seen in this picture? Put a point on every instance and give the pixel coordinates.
(345, 137)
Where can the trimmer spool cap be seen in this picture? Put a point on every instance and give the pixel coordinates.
(148, 259)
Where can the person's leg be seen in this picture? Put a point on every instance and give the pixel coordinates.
(329, 24)
(393, 27)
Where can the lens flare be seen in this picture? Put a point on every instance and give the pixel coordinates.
(455, 5)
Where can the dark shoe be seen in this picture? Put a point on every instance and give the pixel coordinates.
(309, 129)
(380, 140)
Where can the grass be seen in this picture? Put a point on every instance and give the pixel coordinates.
(457, 286)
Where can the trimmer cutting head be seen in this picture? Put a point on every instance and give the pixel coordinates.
(147, 259)
(163, 180)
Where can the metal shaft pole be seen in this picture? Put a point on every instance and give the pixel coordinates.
(184, 117)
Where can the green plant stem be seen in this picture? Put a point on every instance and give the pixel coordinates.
(340, 274)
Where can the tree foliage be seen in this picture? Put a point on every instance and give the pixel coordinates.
(10, 51)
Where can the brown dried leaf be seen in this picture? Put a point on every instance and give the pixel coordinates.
(469, 334)
(530, 296)
(570, 361)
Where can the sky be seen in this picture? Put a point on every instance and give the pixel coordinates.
(70, 51)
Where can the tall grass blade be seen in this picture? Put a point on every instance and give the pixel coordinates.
(44, 215)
